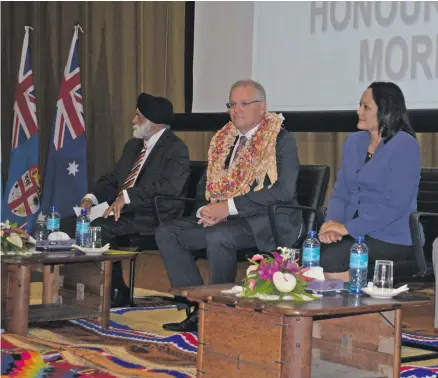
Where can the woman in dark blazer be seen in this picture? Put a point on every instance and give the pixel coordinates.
(377, 185)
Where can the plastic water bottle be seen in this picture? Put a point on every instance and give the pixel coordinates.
(358, 265)
(82, 228)
(53, 220)
(311, 250)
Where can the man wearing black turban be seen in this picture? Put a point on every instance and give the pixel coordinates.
(154, 162)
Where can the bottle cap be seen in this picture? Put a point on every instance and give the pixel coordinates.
(53, 208)
(312, 234)
(360, 239)
(84, 212)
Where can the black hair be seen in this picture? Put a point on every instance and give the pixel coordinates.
(392, 114)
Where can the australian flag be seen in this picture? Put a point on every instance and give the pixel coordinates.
(21, 200)
(65, 180)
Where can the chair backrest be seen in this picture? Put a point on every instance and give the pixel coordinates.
(312, 187)
(197, 169)
(427, 201)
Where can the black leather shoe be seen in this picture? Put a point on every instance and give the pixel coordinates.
(190, 324)
(120, 297)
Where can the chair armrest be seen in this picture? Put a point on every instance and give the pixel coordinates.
(417, 243)
(272, 213)
(176, 198)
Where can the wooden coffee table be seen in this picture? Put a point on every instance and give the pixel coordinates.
(252, 338)
(17, 313)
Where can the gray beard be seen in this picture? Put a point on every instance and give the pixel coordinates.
(143, 131)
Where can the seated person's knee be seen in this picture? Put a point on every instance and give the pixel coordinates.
(216, 236)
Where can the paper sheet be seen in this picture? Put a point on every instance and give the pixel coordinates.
(95, 212)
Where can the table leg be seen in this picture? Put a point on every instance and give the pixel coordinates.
(296, 347)
(4, 293)
(48, 278)
(397, 342)
(106, 295)
(201, 340)
(18, 299)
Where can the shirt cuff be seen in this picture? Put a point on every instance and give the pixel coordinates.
(92, 198)
(126, 197)
(232, 210)
(198, 213)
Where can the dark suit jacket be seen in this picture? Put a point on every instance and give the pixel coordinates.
(253, 206)
(165, 172)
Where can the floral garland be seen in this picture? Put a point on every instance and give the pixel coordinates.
(256, 160)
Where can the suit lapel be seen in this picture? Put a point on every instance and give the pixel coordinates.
(362, 149)
(155, 151)
(136, 153)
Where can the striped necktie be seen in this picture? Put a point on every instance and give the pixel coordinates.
(242, 142)
(130, 180)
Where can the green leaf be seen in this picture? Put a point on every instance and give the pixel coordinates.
(296, 297)
(264, 287)
(13, 224)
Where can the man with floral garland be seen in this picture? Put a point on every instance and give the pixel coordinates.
(252, 164)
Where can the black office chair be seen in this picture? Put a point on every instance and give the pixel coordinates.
(146, 241)
(419, 266)
(427, 214)
(197, 170)
(312, 187)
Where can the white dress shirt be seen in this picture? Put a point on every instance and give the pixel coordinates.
(232, 210)
(149, 145)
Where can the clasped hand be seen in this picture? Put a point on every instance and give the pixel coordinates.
(213, 213)
(332, 232)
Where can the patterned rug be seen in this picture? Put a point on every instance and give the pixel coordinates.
(414, 338)
(414, 371)
(135, 345)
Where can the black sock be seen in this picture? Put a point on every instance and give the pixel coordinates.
(117, 279)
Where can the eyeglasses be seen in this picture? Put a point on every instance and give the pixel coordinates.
(243, 105)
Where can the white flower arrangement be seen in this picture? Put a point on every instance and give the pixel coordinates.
(14, 239)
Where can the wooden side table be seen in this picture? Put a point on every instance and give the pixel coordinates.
(17, 313)
(240, 337)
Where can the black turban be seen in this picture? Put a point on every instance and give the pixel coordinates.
(156, 109)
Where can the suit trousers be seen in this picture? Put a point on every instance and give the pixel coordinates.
(110, 230)
(178, 238)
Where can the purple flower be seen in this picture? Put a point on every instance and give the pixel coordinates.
(266, 271)
(278, 258)
(292, 267)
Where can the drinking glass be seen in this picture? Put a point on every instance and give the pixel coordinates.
(40, 230)
(295, 255)
(383, 275)
(95, 237)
